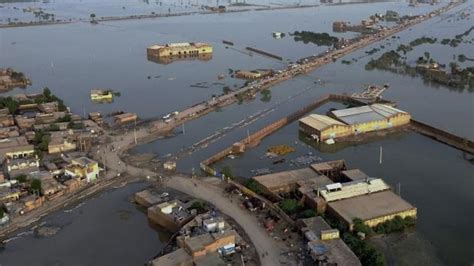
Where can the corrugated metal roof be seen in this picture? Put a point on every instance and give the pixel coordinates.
(361, 118)
(366, 113)
(319, 122)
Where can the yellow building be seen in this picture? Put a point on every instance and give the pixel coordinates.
(179, 49)
(373, 117)
(371, 208)
(83, 168)
(101, 95)
(322, 127)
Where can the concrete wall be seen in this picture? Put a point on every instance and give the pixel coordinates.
(440, 135)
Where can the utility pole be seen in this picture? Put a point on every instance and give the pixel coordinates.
(184, 131)
(135, 132)
(380, 155)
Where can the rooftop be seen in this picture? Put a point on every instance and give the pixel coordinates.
(328, 166)
(275, 180)
(337, 251)
(366, 113)
(370, 206)
(199, 242)
(177, 257)
(338, 191)
(320, 122)
(355, 174)
(83, 161)
(13, 142)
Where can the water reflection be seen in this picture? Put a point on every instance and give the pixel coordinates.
(170, 59)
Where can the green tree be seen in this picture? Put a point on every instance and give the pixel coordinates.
(308, 213)
(92, 16)
(253, 185)
(199, 206)
(227, 171)
(46, 92)
(21, 178)
(360, 226)
(35, 186)
(427, 55)
(289, 206)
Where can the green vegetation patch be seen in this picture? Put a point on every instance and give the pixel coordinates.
(320, 39)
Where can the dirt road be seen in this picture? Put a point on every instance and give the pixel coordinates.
(213, 194)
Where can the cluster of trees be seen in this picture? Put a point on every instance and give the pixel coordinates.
(45, 97)
(296, 208)
(10, 103)
(398, 224)
(199, 206)
(320, 39)
(387, 61)
(227, 171)
(266, 95)
(35, 185)
(365, 251)
(423, 40)
(254, 186)
(457, 39)
(41, 142)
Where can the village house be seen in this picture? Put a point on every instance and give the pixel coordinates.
(83, 168)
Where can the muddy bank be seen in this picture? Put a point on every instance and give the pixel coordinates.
(407, 248)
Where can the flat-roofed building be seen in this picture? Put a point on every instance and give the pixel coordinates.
(331, 169)
(339, 191)
(201, 245)
(372, 208)
(178, 257)
(16, 147)
(9, 132)
(371, 117)
(6, 120)
(179, 49)
(83, 168)
(287, 181)
(354, 175)
(125, 118)
(171, 215)
(322, 127)
(148, 197)
(16, 167)
(60, 144)
(324, 243)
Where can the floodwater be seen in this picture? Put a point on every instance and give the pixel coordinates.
(75, 58)
(106, 230)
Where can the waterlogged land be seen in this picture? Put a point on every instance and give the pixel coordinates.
(71, 67)
(112, 216)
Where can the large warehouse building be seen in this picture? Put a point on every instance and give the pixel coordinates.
(353, 121)
(323, 127)
(371, 117)
(371, 208)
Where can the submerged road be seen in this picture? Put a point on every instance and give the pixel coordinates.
(114, 145)
(304, 66)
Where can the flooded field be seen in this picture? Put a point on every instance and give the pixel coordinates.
(101, 231)
(72, 59)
